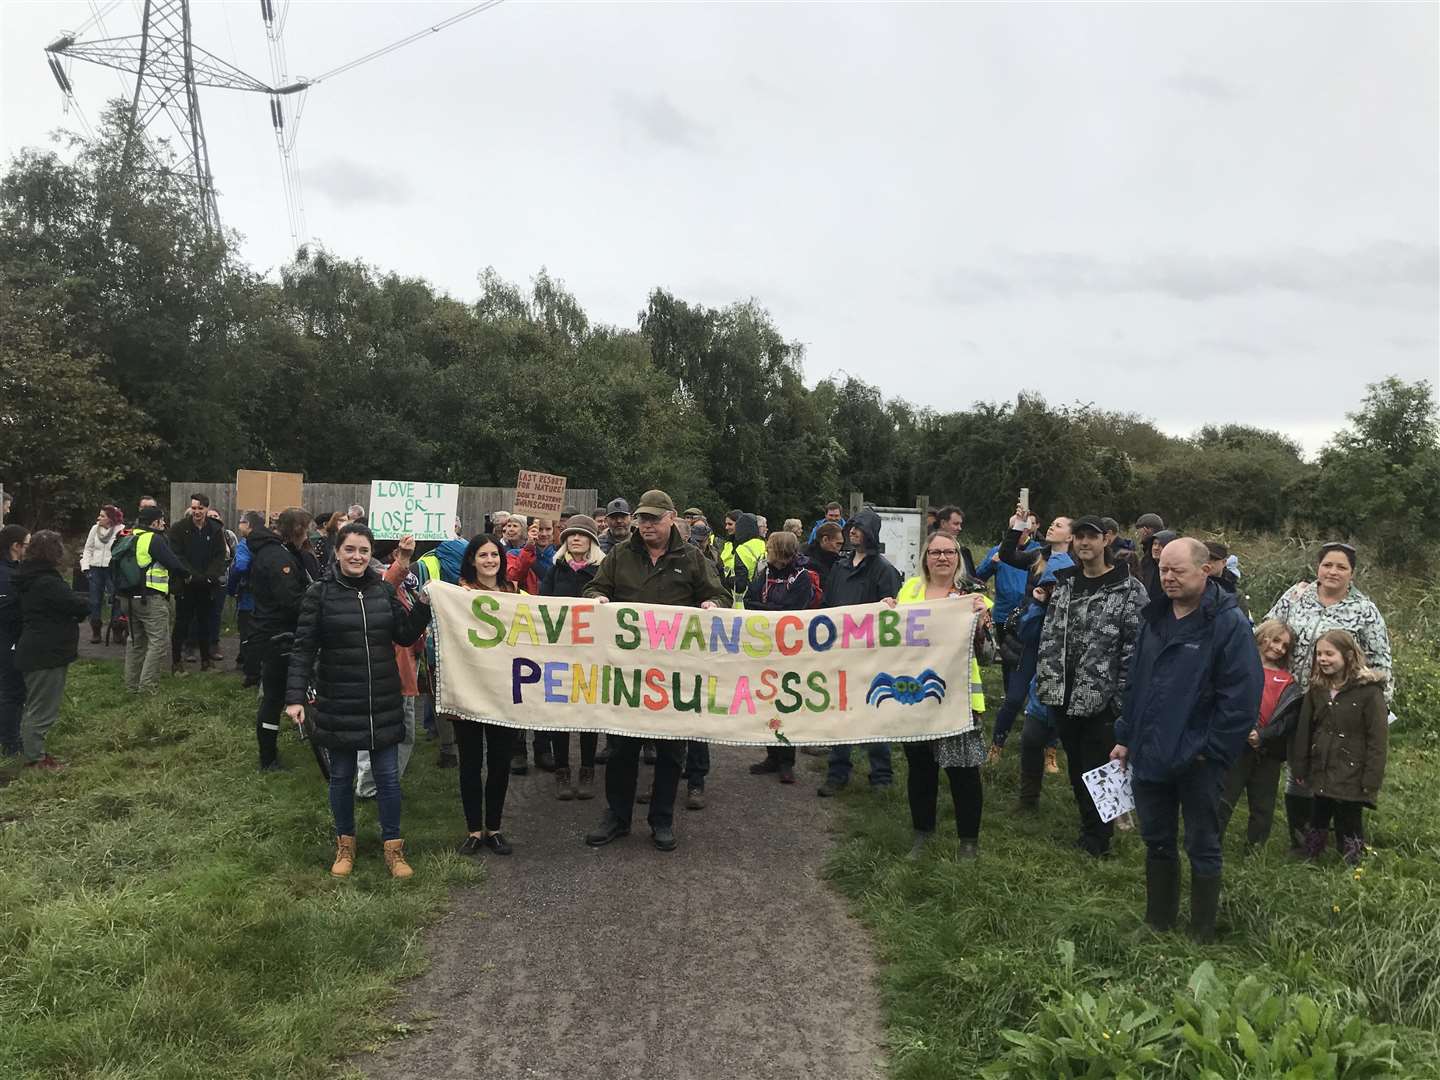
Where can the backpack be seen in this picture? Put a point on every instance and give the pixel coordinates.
(125, 570)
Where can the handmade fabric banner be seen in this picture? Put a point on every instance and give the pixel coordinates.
(840, 675)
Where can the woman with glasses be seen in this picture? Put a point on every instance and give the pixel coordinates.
(1310, 609)
(942, 577)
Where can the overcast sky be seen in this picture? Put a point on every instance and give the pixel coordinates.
(1208, 213)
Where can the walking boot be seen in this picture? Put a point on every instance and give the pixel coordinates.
(1354, 851)
(969, 848)
(344, 856)
(395, 860)
(94, 631)
(1297, 818)
(1030, 790)
(993, 755)
(1204, 904)
(564, 789)
(919, 844)
(1314, 844)
(1052, 764)
(1162, 893)
(585, 789)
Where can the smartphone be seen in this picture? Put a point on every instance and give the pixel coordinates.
(1024, 500)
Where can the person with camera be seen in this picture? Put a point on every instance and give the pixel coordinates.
(281, 569)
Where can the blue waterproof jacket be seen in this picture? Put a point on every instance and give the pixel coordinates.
(1009, 580)
(237, 583)
(1196, 694)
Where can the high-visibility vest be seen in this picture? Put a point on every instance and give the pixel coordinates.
(156, 576)
(747, 555)
(913, 592)
(431, 565)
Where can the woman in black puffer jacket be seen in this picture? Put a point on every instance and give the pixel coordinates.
(349, 626)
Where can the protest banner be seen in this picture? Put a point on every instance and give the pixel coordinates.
(539, 494)
(268, 492)
(842, 675)
(412, 508)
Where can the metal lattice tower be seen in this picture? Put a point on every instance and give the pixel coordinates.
(168, 66)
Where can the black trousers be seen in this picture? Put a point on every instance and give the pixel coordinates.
(782, 755)
(1088, 741)
(244, 624)
(560, 746)
(1346, 818)
(1256, 775)
(274, 670)
(622, 772)
(482, 792)
(194, 610)
(922, 784)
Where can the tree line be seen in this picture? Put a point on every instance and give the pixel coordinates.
(135, 349)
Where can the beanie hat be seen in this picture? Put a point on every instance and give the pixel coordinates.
(1150, 521)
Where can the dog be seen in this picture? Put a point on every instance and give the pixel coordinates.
(117, 630)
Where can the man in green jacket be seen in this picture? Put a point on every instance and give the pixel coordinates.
(654, 566)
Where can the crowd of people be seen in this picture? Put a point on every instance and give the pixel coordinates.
(1112, 648)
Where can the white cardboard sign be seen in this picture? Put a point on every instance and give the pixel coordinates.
(412, 508)
(1109, 787)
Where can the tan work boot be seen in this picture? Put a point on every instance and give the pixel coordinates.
(344, 856)
(395, 859)
(1051, 765)
(993, 757)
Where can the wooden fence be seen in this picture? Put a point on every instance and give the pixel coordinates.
(473, 505)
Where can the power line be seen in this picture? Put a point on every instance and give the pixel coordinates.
(476, 10)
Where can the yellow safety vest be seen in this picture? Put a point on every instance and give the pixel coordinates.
(431, 565)
(913, 592)
(156, 576)
(748, 555)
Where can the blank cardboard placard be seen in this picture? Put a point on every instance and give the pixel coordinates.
(268, 492)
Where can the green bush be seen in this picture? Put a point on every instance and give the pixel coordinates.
(1213, 1032)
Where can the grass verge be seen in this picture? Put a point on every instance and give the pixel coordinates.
(165, 911)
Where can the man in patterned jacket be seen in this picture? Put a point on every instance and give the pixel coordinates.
(1084, 662)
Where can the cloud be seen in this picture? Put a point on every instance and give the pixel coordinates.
(1203, 86)
(1353, 274)
(661, 122)
(347, 182)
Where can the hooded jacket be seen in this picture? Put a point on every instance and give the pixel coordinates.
(1194, 693)
(793, 587)
(1341, 743)
(748, 552)
(50, 617)
(1010, 580)
(279, 576)
(682, 576)
(870, 582)
(1095, 621)
(346, 638)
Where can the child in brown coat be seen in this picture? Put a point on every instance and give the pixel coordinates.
(1338, 752)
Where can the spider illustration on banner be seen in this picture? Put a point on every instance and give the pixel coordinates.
(906, 689)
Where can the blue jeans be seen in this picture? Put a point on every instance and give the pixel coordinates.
(386, 766)
(1195, 794)
(98, 578)
(881, 775)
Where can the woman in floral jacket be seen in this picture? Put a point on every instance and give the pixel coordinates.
(1330, 602)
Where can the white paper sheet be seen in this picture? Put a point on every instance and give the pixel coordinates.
(1109, 786)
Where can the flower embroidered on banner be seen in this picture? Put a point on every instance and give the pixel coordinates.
(775, 725)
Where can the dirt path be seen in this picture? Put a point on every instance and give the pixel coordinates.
(728, 958)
